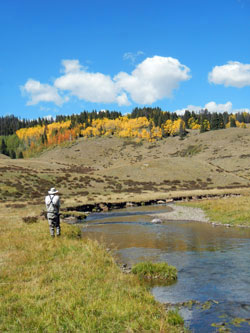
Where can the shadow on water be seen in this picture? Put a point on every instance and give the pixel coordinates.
(212, 262)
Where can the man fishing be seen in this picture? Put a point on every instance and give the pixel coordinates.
(52, 202)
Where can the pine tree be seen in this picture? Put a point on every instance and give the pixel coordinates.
(232, 122)
(20, 154)
(3, 148)
(215, 121)
(186, 117)
(12, 154)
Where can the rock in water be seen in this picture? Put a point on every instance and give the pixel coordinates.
(156, 220)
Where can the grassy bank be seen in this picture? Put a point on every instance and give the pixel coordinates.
(68, 285)
(234, 211)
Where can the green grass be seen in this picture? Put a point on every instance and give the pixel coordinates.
(68, 285)
(234, 211)
(174, 318)
(155, 271)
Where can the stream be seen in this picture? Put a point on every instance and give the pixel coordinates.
(213, 263)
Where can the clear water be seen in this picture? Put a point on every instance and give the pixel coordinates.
(213, 263)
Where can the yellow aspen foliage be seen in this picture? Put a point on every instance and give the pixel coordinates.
(31, 132)
(241, 125)
(122, 126)
(193, 123)
(206, 125)
(168, 127)
(156, 132)
(87, 132)
(174, 127)
(178, 126)
(144, 134)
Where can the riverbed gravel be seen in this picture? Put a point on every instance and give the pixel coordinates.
(183, 213)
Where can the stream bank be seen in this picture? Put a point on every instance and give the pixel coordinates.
(212, 263)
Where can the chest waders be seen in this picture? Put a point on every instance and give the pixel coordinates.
(54, 220)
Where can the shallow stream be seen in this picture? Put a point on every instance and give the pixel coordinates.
(213, 263)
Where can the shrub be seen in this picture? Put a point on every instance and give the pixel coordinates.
(30, 219)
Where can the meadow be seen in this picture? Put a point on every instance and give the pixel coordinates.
(68, 285)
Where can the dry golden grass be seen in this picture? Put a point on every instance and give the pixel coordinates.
(67, 284)
(113, 169)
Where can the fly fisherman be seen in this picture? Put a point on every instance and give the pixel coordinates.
(52, 203)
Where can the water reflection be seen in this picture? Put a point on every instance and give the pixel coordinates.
(213, 262)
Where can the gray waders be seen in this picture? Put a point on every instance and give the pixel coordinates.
(54, 223)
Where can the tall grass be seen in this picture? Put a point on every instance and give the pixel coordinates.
(68, 285)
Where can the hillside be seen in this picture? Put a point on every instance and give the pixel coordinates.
(111, 168)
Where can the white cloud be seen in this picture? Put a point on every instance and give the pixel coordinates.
(220, 108)
(71, 66)
(49, 117)
(190, 108)
(38, 92)
(153, 79)
(234, 74)
(241, 110)
(91, 87)
(123, 99)
(132, 56)
(212, 107)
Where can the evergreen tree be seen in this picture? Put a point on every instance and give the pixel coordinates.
(232, 122)
(221, 121)
(3, 148)
(225, 117)
(186, 117)
(215, 121)
(240, 117)
(12, 154)
(20, 154)
(202, 128)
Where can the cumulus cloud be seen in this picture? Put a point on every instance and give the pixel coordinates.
(38, 92)
(212, 107)
(234, 74)
(153, 79)
(71, 66)
(122, 99)
(91, 87)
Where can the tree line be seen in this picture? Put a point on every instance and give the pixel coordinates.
(10, 124)
(19, 137)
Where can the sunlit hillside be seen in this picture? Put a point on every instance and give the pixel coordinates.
(112, 168)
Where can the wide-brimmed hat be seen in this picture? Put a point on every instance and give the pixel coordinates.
(52, 191)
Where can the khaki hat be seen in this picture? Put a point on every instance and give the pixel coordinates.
(52, 191)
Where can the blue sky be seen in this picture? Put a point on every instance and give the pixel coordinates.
(63, 57)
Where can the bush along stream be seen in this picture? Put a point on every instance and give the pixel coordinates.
(212, 288)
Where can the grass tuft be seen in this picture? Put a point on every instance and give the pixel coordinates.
(174, 318)
(73, 232)
(155, 271)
